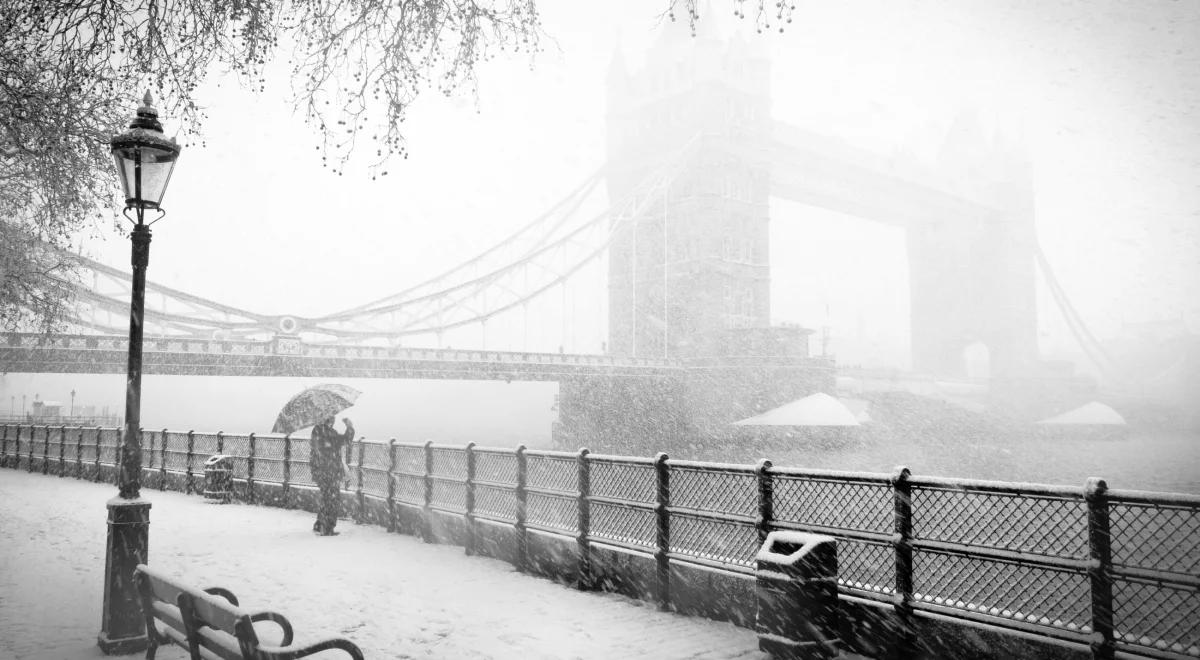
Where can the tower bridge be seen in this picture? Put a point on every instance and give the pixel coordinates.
(694, 158)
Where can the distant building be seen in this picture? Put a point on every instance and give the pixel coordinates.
(43, 409)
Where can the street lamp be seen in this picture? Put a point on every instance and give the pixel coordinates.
(144, 159)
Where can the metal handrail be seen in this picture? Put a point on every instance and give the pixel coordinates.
(30, 446)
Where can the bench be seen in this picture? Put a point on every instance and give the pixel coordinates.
(210, 624)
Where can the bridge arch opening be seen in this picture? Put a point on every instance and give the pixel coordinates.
(846, 278)
(977, 360)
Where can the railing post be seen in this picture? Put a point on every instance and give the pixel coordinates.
(766, 499)
(147, 457)
(4, 447)
(662, 510)
(522, 509)
(79, 454)
(287, 471)
(252, 453)
(46, 452)
(902, 542)
(62, 450)
(427, 507)
(582, 539)
(191, 453)
(391, 486)
(17, 452)
(162, 461)
(99, 432)
(1100, 568)
(16, 461)
(470, 499)
(360, 509)
(32, 446)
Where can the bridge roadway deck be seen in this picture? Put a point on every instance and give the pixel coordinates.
(393, 595)
(31, 353)
(82, 354)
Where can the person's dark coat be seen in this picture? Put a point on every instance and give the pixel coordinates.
(325, 462)
(325, 458)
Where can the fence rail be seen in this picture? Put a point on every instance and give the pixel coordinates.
(1113, 570)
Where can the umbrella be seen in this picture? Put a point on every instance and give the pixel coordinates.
(312, 405)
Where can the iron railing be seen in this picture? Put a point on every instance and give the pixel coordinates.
(1113, 570)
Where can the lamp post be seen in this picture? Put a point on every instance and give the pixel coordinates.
(72, 402)
(144, 159)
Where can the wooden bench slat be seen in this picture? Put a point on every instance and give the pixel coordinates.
(212, 626)
(220, 644)
(215, 612)
(169, 614)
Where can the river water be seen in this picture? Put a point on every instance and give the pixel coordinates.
(496, 414)
(1161, 460)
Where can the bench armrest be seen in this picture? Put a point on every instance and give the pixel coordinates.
(279, 620)
(284, 653)
(223, 593)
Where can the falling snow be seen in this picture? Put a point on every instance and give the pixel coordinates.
(393, 595)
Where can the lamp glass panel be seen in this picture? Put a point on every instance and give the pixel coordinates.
(157, 165)
(155, 177)
(125, 171)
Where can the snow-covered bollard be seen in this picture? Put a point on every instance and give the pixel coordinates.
(796, 592)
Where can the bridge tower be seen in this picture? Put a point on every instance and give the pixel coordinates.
(696, 263)
(689, 278)
(972, 279)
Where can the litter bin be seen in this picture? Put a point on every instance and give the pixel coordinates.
(796, 592)
(218, 478)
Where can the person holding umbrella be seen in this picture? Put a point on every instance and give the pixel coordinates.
(328, 470)
(317, 406)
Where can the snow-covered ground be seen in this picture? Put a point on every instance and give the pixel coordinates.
(393, 595)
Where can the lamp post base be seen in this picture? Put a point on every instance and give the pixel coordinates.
(122, 626)
(123, 646)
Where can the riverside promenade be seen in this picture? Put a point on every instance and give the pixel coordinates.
(391, 594)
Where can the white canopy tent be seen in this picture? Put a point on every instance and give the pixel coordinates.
(1090, 414)
(818, 409)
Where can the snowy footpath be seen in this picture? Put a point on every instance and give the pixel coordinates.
(393, 595)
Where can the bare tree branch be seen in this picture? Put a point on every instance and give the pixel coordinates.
(70, 70)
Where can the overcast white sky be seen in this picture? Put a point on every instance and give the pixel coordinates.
(1105, 94)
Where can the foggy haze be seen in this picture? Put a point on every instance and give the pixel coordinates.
(1103, 98)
